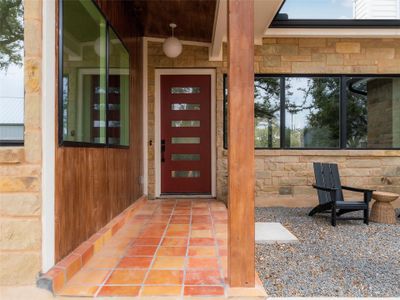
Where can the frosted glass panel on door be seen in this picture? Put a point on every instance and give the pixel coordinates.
(182, 123)
(185, 140)
(185, 174)
(185, 90)
(185, 106)
(185, 157)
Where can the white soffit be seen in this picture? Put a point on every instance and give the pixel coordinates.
(333, 32)
(264, 12)
(219, 30)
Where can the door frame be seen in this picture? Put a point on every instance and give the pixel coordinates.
(157, 127)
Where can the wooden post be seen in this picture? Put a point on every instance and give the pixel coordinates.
(241, 271)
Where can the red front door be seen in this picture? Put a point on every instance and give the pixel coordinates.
(186, 134)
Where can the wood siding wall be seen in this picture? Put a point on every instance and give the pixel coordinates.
(93, 185)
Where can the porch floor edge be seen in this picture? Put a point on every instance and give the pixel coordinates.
(55, 279)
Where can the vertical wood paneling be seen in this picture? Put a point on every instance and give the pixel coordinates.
(93, 185)
(241, 272)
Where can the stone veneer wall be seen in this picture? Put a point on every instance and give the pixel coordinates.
(20, 171)
(283, 177)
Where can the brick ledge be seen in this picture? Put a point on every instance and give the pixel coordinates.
(58, 275)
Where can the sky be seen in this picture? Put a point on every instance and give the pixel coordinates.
(318, 9)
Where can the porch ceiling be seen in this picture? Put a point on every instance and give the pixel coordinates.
(195, 18)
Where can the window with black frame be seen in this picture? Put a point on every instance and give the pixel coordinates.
(325, 112)
(94, 79)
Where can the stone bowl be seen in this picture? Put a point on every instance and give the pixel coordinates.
(384, 196)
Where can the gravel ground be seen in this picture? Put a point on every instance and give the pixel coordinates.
(349, 260)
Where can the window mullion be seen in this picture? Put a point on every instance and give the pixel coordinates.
(283, 112)
(343, 113)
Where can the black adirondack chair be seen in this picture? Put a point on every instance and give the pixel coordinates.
(330, 194)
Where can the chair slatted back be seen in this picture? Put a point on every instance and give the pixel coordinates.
(327, 175)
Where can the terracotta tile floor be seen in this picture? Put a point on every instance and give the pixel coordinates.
(168, 248)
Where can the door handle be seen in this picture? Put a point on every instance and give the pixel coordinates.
(162, 150)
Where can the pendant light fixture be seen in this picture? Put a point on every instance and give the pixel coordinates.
(172, 47)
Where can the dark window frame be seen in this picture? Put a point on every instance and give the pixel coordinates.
(342, 109)
(332, 23)
(13, 143)
(337, 24)
(61, 141)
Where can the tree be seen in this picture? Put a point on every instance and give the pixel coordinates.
(357, 114)
(324, 114)
(266, 105)
(11, 33)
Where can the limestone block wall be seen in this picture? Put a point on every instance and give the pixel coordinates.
(20, 171)
(283, 177)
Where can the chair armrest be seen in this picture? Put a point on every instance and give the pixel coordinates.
(322, 188)
(367, 192)
(354, 189)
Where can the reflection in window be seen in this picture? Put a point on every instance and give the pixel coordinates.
(84, 64)
(118, 92)
(95, 109)
(370, 108)
(267, 112)
(12, 74)
(373, 112)
(185, 90)
(312, 112)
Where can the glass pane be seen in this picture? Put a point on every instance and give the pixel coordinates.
(185, 156)
(84, 73)
(185, 90)
(12, 73)
(185, 174)
(312, 112)
(225, 112)
(118, 92)
(373, 112)
(181, 123)
(185, 106)
(267, 112)
(185, 140)
(343, 9)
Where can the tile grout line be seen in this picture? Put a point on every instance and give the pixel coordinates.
(121, 257)
(216, 245)
(186, 262)
(158, 248)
